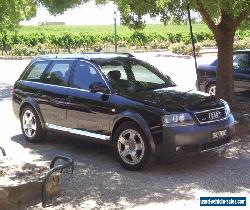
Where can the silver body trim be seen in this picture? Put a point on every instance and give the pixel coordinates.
(78, 132)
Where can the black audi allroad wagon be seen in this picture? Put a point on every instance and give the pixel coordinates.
(121, 99)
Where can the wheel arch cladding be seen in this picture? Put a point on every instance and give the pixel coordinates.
(136, 118)
(32, 103)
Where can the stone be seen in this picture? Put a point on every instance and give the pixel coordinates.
(4, 193)
(53, 185)
(6, 205)
(26, 192)
(243, 125)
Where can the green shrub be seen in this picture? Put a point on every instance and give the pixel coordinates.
(22, 50)
(42, 49)
(52, 41)
(154, 44)
(97, 47)
(158, 44)
(242, 44)
(164, 45)
(184, 49)
(138, 39)
(208, 43)
(122, 43)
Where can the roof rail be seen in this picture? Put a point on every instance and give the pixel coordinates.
(87, 56)
(109, 53)
(66, 56)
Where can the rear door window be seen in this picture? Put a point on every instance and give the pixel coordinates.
(58, 73)
(36, 71)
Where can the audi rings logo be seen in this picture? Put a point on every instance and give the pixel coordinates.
(214, 115)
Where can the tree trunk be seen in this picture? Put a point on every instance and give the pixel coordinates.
(224, 76)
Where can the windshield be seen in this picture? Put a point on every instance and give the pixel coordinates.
(128, 75)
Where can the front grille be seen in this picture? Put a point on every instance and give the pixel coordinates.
(210, 116)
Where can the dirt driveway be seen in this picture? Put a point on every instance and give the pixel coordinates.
(99, 182)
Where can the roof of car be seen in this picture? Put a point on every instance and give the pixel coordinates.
(86, 56)
(245, 50)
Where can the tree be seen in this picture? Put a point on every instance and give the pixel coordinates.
(11, 13)
(222, 17)
(56, 7)
(230, 14)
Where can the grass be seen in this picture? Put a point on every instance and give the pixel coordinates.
(104, 29)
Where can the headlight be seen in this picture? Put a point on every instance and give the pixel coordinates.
(227, 110)
(179, 119)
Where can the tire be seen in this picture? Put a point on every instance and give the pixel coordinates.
(133, 153)
(31, 125)
(211, 89)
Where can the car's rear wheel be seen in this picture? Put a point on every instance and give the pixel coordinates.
(131, 147)
(31, 125)
(211, 89)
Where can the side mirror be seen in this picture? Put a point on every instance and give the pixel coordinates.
(170, 79)
(98, 87)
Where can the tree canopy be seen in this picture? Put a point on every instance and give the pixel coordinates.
(223, 17)
(14, 11)
(56, 7)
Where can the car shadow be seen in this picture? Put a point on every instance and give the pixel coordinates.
(100, 181)
(5, 91)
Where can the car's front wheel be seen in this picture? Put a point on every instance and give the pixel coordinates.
(131, 147)
(31, 125)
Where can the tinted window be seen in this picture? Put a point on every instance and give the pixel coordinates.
(143, 74)
(84, 75)
(131, 75)
(58, 73)
(108, 69)
(36, 71)
(241, 60)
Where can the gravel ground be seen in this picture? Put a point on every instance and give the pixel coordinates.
(99, 182)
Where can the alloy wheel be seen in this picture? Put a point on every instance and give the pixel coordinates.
(212, 90)
(29, 123)
(131, 147)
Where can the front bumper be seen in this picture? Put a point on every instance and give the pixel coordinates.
(195, 138)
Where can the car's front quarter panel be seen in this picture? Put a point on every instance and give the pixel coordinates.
(148, 117)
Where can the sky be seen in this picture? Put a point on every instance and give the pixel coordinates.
(87, 14)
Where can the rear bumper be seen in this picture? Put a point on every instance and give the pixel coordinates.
(196, 138)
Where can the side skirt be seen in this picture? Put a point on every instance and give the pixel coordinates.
(78, 132)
